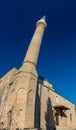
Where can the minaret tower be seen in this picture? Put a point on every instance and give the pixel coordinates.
(33, 50)
(26, 80)
(32, 54)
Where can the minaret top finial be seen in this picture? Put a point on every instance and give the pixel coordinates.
(44, 17)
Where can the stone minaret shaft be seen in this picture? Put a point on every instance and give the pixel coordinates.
(26, 80)
(33, 50)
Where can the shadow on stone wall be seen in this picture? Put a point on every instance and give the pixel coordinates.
(50, 123)
(49, 119)
(37, 109)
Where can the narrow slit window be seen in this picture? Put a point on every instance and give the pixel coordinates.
(70, 117)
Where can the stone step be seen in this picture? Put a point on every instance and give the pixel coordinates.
(63, 128)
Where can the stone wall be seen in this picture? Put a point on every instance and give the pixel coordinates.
(48, 100)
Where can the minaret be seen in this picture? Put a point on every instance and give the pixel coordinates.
(33, 50)
(26, 80)
(32, 54)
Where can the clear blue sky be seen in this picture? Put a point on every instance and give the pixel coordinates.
(57, 59)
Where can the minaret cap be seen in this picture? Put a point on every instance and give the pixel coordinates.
(42, 21)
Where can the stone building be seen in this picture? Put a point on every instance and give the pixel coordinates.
(29, 101)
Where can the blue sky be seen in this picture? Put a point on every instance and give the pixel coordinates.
(57, 59)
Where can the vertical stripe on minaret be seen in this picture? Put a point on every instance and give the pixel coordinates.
(34, 47)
